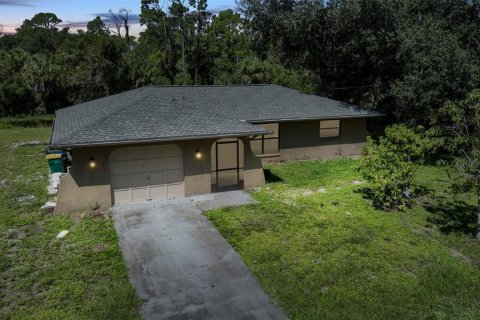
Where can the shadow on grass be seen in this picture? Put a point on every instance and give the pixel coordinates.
(271, 177)
(369, 194)
(453, 217)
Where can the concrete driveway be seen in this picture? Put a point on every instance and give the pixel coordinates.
(182, 267)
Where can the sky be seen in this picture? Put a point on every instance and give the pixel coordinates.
(75, 13)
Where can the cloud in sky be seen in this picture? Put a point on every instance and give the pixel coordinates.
(132, 17)
(16, 3)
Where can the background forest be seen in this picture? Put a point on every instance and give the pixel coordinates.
(404, 58)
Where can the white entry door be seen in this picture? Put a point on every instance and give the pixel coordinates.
(143, 173)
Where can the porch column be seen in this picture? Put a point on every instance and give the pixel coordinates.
(253, 175)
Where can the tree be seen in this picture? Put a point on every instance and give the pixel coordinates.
(405, 58)
(228, 45)
(388, 167)
(159, 34)
(39, 77)
(200, 21)
(91, 66)
(120, 20)
(15, 98)
(435, 69)
(178, 11)
(460, 135)
(97, 26)
(40, 34)
(44, 20)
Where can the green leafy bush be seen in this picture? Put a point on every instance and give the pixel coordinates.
(388, 166)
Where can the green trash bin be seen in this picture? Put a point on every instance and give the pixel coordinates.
(55, 162)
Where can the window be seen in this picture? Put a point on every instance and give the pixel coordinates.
(266, 144)
(329, 128)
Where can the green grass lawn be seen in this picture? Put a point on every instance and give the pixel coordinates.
(79, 277)
(322, 252)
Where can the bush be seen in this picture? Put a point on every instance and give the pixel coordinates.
(388, 166)
(26, 122)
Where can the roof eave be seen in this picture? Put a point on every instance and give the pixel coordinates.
(169, 139)
(314, 118)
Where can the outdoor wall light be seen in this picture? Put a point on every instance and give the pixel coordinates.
(198, 154)
(92, 164)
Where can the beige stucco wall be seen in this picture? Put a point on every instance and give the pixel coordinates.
(71, 196)
(300, 140)
(85, 188)
(253, 175)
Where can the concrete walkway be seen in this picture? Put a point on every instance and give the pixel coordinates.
(182, 267)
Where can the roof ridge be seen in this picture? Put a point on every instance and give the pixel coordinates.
(109, 114)
(209, 85)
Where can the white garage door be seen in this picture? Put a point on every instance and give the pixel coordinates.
(143, 173)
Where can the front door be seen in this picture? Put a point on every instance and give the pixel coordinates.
(227, 164)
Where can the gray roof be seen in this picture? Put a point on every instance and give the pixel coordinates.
(162, 113)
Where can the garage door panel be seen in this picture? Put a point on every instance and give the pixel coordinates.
(122, 196)
(139, 194)
(174, 176)
(158, 192)
(173, 150)
(138, 180)
(119, 167)
(121, 181)
(156, 152)
(136, 153)
(157, 178)
(174, 163)
(156, 164)
(119, 155)
(138, 166)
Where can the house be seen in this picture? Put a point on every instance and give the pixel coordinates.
(171, 141)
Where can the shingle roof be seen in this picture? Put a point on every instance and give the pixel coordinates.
(187, 112)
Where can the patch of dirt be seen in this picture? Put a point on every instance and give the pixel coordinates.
(99, 247)
(29, 143)
(98, 213)
(76, 216)
(24, 200)
(15, 234)
(303, 192)
(335, 203)
(357, 182)
(460, 255)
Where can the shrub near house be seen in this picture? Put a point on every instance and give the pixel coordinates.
(388, 166)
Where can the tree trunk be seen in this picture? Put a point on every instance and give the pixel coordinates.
(184, 67)
(127, 35)
(478, 210)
